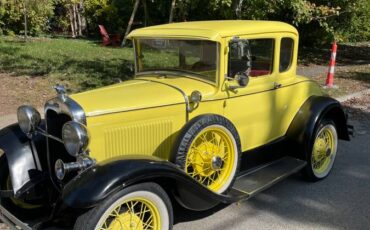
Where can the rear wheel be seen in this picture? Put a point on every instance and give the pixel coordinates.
(322, 153)
(142, 206)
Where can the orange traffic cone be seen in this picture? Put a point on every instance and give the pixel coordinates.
(330, 76)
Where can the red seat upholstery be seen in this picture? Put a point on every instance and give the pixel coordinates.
(256, 73)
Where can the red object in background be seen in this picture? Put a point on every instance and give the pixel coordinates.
(109, 39)
(330, 76)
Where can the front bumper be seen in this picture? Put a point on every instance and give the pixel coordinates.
(12, 221)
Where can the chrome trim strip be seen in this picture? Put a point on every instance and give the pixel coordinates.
(130, 110)
(187, 103)
(12, 221)
(68, 107)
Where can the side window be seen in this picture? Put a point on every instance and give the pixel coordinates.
(239, 58)
(254, 58)
(286, 54)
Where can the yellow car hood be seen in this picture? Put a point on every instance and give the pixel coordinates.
(127, 96)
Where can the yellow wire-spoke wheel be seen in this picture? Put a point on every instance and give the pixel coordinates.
(212, 158)
(324, 150)
(144, 206)
(134, 214)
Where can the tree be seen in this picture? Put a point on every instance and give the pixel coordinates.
(76, 17)
(128, 29)
(25, 16)
(173, 5)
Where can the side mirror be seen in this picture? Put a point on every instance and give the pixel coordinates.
(242, 80)
(239, 81)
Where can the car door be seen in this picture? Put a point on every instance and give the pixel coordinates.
(253, 109)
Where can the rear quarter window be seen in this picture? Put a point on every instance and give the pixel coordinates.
(286, 54)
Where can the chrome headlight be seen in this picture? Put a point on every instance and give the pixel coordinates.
(28, 119)
(75, 137)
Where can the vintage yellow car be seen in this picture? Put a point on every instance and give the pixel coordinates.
(214, 114)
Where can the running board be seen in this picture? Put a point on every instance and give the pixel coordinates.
(257, 180)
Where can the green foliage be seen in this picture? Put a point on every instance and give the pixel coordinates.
(354, 25)
(319, 21)
(113, 14)
(12, 16)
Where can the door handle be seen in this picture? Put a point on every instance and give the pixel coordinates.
(277, 85)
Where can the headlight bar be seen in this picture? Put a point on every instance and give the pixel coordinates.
(75, 135)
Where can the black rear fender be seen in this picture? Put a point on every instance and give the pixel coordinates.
(100, 181)
(315, 108)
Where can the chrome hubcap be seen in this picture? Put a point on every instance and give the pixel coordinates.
(216, 163)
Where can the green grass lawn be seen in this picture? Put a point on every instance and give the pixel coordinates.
(82, 64)
(85, 64)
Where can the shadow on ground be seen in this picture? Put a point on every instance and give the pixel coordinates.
(356, 75)
(346, 55)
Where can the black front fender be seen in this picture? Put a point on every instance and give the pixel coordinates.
(100, 181)
(22, 156)
(315, 108)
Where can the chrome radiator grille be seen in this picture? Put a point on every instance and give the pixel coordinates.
(55, 149)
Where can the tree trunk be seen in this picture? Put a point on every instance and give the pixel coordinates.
(75, 19)
(79, 22)
(73, 30)
(237, 7)
(172, 10)
(146, 16)
(25, 19)
(82, 16)
(131, 21)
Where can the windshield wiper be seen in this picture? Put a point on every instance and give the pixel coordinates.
(161, 73)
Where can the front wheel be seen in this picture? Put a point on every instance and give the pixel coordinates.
(209, 152)
(142, 206)
(321, 155)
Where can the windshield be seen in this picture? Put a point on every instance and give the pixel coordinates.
(194, 58)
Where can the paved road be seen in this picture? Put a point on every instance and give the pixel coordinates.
(342, 201)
